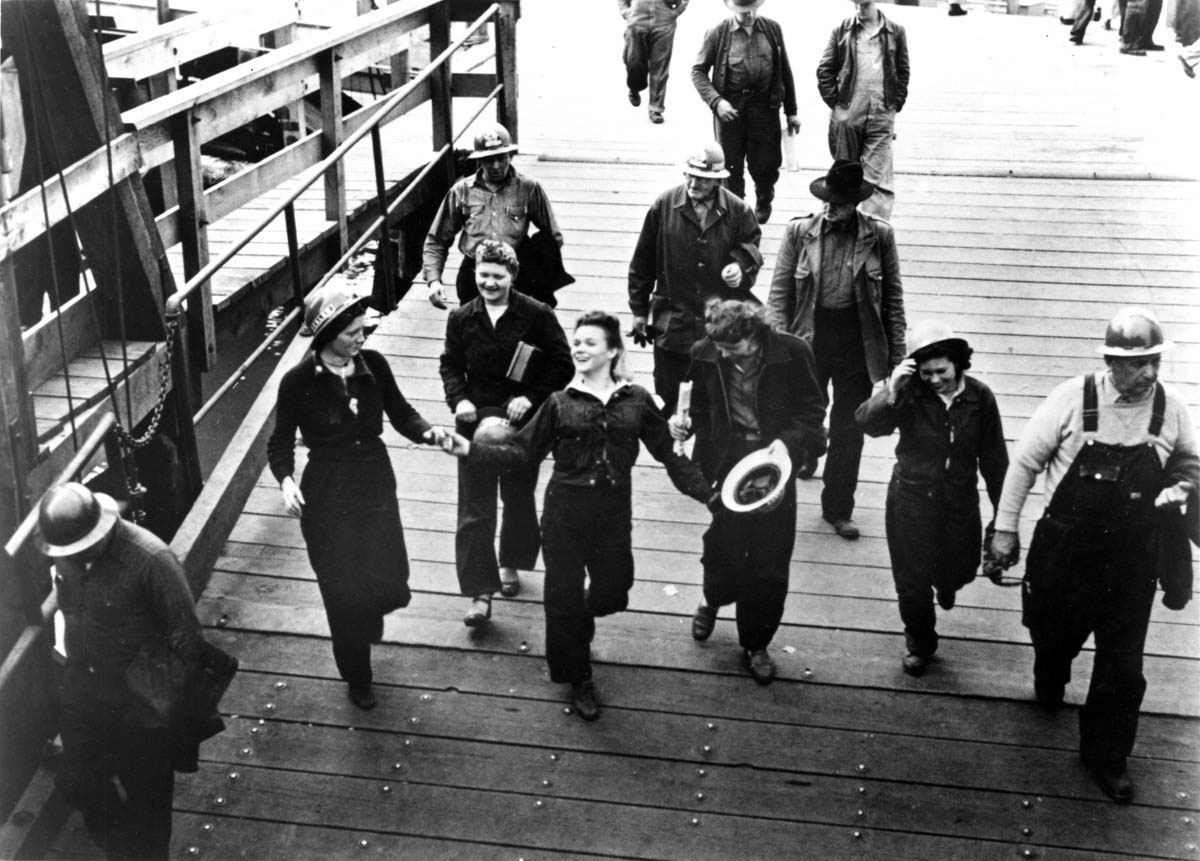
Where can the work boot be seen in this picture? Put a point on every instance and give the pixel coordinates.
(956, 10)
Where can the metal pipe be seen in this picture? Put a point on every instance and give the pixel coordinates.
(82, 456)
(175, 300)
(385, 239)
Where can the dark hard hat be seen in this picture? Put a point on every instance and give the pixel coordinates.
(324, 305)
(1134, 332)
(493, 430)
(71, 519)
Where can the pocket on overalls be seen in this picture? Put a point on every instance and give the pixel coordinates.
(1047, 570)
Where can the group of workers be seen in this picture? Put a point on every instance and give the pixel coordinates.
(747, 383)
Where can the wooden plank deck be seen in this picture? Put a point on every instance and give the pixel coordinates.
(1003, 231)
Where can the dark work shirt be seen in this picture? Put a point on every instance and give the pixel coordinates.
(338, 418)
(135, 591)
(476, 356)
(596, 443)
(742, 385)
(837, 265)
(941, 447)
(749, 61)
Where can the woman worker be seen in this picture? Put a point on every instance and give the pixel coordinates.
(593, 428)
(481, 380)
(950, 430)
(346, 499)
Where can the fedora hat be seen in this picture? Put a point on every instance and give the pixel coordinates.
(930, 333)
(71, 519)
(1134, 332)
(707, 162)
(843, 183)
(758, 481)
(493, 140)
(743, 5)
(321, 307)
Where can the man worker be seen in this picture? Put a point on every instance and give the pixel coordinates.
(122, 592)
(755, 388)
(863, 77)
(837, 285)
(698, 241)
(1103, 441)
(499, 203)
(649, 40)
(743, 75)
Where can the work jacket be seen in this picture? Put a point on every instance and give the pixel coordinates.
(788, 404)
(878, 293)
(714, 56)
(681, 262)
(835, 72)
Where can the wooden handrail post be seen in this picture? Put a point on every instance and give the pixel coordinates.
(193, 235)
(506, 65)
(332, 134)
(440, 99)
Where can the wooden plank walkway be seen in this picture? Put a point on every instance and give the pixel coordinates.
(469, 754)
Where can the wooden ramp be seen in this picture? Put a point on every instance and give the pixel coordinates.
(470, 754)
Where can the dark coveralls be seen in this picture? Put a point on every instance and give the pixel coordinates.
(587, 518)
(1091, 570)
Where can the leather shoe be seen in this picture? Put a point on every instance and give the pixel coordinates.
(846, 528)
(1063, 20)
(1114, 781)
(583, 698)
(480, 612)
(703, 622)
(510, 582)
(1151, 46)
(635, 98)
(1049, 695)
(1078, 40)
(763, 213)
(946, 598)
(915, 664)
(956, 10)
(807, 469)
(363, 697)
(656, 117)
(762, 668)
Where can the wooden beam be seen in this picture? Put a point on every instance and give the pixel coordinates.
(472, 85)
(193, 234)
(332, 135)
(18, 432)
(22, 221)
(160, 49)
(66, 334)
(235, 97)
(441, 101)
(506, 67)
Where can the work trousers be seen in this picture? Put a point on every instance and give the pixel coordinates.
(1100, 584)
(1139, 20)
(841, 360)
(669, 370)
(474, 541)
(746, 561)
(586, 535)
(863, 132)
(752, 142)
(648, 61)
(934, 543)
(1083, 16)
(121, 777)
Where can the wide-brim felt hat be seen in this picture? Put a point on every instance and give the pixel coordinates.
(933, 333)
(92, 517)
(743, 5)
(844, 183)
(758, 481)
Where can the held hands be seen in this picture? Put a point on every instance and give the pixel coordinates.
(680, 427)
(293, 499)
(465, 412)
(456, 444)
(518, 407)
(436, 436)
(1174, 496)
(732, 275)
(1001, 551)
(726, 112)
(437, 294)
(793, 125)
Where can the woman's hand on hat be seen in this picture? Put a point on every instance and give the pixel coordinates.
(680, 427)
(465, 412)
(293, 499)
(900, 374)
(518, 407)
(726, 112)
(732, 275)
(437, 294)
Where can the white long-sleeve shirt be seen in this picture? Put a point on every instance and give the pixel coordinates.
(1054, 436)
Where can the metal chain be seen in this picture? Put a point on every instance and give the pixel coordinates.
(126, 439)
